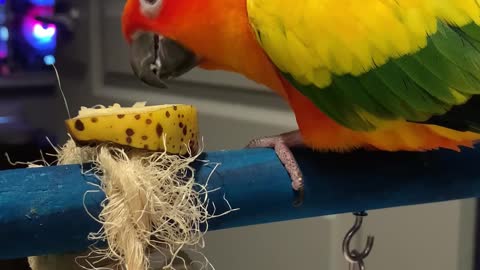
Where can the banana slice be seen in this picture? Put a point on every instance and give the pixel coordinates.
(139, 126)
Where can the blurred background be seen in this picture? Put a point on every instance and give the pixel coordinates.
(83, 38)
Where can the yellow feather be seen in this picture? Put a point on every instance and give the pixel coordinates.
(460, 98)
(320, 77)
(301, 58)
(308, 38)
(270, 41)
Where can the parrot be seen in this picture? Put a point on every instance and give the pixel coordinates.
(378, 75)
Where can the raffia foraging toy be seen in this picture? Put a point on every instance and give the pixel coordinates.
(142, 156)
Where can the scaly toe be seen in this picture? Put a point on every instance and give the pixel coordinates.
(281, 145)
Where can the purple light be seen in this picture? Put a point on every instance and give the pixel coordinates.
(3, 50)
(44, 34)
(40, 36)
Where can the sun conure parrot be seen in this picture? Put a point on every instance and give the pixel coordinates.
(391, 75)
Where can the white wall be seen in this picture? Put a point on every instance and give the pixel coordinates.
(435, 236)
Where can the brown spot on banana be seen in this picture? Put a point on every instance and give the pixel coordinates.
(159, 130)
(79, 125)
(130, 132)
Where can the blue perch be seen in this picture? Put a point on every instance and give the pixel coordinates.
(42, 211)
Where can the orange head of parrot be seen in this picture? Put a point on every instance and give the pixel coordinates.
(168, 38)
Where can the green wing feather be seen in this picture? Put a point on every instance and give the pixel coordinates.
(415, 87)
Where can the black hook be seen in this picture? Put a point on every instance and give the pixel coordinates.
(353, 256)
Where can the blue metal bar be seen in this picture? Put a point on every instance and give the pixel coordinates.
(42, 212)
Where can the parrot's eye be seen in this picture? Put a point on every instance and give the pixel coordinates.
(150, 8)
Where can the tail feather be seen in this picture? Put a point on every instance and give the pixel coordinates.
(465, 117)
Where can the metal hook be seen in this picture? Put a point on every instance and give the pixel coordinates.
(353, 256)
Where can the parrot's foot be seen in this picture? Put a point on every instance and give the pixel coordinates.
(282, 144)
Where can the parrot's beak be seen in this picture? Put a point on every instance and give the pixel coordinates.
(155, 58)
